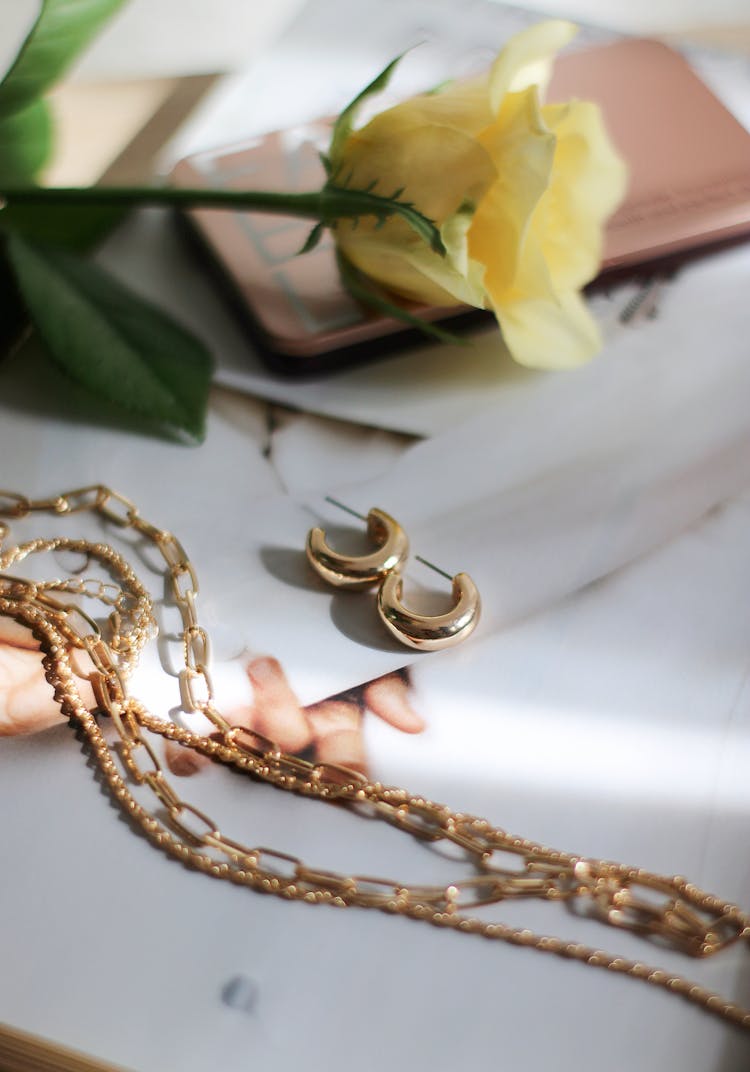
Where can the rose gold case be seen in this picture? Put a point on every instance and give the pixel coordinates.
(688, 157)
(689, 187)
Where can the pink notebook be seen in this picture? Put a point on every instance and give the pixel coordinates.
(689, 165)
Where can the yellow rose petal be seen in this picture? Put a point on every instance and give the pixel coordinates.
(522, 151)
(527, 59)
(396, 269)
(550, 333)
(410, 158)
(520, 193)
(457, 274)
(588, 181)
(464, 106)
(437, 167)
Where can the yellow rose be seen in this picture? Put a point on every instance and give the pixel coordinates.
(520, 191)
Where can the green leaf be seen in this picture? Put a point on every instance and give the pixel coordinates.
(62, 29)
(12, 312)
(344, 125)
(343, 202)
(312, 239)
(112, 342)
(365, 291)
(75, 227)
(440, 87)
(25, 143)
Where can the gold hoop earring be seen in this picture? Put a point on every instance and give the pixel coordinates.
(429, 633)
(359, 572)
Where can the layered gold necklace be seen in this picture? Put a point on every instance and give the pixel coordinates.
(499, 866)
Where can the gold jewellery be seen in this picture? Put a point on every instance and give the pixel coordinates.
(383, 567)
(498, 866)
(429, 633)
(360, 573)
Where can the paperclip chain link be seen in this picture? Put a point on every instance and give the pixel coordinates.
(504, 866)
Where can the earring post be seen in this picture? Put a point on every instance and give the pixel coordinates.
(355, 513)
(432, 566)
(346, 509)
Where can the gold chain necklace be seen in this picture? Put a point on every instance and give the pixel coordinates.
(671, 909)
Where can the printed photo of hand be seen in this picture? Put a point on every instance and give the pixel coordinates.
(327, 732)
(330, 731)
(27, 702)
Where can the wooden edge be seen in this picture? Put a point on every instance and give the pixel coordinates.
(22, 1052)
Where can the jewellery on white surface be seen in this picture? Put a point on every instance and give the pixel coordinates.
(359, 572)
(424, 632)
(419, 631)
(671, 909)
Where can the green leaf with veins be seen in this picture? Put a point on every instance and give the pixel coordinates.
(62, 29)
(114, 343)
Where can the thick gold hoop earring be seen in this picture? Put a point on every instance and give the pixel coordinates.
(360, 572)
(430, 633)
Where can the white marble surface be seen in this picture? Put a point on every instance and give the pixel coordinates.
(615, 723)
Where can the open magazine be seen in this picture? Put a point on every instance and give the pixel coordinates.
(601, 708)
(612, 723)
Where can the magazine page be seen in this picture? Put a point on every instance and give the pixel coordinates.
(612, 725)
(580, 473)
(631, 442)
